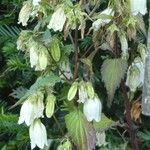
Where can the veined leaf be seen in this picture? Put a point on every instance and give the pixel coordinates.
(81, 131)
(113, 71)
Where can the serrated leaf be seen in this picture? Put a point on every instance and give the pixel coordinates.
(81, 131)
(45, 81)
(104, 124)
(113, 70)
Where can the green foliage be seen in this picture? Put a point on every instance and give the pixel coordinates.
(80, 130)
(104, 124)
(113, 70)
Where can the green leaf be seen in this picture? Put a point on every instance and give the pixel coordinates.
(81, 131)
(45, 81)
(113, 70)
(104, 124)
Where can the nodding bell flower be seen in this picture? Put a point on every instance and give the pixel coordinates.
(32, 108)
(36, 2)
(138, 6)
(58, 20)
(103, 21)
(65, 68)
(38, 135)
(92, 109)
(38, 56)
(135, 75)
(25, 13)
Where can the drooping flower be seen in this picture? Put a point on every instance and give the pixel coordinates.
(92, 109)
(42, 61)
(38, 56)
(31, 109)
(58, 20)
(138, 6)
(135, 75)
(103, 21)
(38, 135)
(36, 2)
(25, 13)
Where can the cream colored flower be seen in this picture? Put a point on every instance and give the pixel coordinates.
(25, 13)
(38, 135)
(42, 61)
(138, 6)
(92, 109)
(38, 56)
(135, 75)
(58, 20)
(31, 109)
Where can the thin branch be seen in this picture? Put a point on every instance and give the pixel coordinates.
(76, 54)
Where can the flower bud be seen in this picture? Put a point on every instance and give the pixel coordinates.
(90, 90)
(50, 105)
(72, 91)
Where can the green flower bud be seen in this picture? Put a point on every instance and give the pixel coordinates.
(55, 49)
(50, 106)
(90, 90)
(72, 91)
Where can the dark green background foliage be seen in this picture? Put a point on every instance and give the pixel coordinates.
(16, 77)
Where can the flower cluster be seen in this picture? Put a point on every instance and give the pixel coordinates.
(92, 106)
(31, 112)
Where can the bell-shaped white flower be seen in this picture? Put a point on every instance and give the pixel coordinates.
(58, 20)
(42, 61)
(26, 112)
(33, 57)
(38, 56)
(38, 135)
(25, 13)
(103, 21)
(138, 6)
(31, 109)
(135, 75)
(92, 109)
(35, 2)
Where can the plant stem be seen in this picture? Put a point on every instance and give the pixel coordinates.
(76, 54)
(58, 124)
(131, 129)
